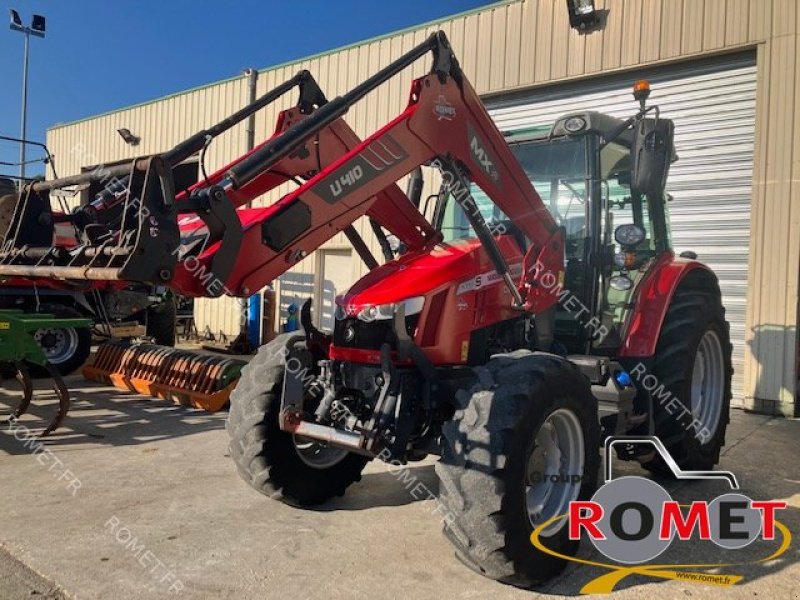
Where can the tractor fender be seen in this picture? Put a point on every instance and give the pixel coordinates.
(652, 299)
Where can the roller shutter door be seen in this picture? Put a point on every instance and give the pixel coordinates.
(713, 104)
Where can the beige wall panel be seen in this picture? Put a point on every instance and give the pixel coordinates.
(784, 17)
(483, 46)
(692, 30)
(758, 261)
(774, 275)
(737, 19)
(632, 32)
(499, 47)
(528, 41)
(513, 44)
(650, 44)
(613, 34)
(760, 21)
(671, 28)
(714, 19)
(543, 50)
(576, 53)
(561, 34)
(593, 60)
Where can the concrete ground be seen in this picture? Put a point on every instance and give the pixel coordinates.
(136, 498)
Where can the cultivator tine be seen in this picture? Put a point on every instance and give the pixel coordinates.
(63, 400)
(200, 380)
(24, 379)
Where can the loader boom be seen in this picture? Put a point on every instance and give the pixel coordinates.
(239, 251)
(137, 212)
(444, 124)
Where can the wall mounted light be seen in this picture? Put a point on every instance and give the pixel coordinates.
(582, 14)
(130, 139)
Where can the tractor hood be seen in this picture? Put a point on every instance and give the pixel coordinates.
(420, 273)
(413, 274)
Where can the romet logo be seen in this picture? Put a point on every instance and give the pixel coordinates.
(633, 520)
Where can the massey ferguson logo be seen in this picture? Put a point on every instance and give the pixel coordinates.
(481, 155)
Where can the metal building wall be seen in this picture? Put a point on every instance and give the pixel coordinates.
(520, 44)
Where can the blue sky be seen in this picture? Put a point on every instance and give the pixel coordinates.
(100, 55)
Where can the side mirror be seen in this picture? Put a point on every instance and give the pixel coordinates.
(651, 153)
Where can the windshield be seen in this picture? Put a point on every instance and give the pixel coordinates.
(556, 169)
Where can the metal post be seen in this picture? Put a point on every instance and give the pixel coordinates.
(37, 29)
(251, 307)
(24, 123)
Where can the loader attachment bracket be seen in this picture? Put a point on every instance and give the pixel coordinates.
(311, 95)
(218, 213)
(138, 244)
(153, 256)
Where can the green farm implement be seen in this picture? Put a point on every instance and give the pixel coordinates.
(18, 348)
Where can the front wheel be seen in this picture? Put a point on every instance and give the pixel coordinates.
(296, 470)
(523, 446)
(66, 348)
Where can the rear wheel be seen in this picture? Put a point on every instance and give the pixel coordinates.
(293, 469)
(161, 322)
(693, 362)
(66, 348)
(523, 446)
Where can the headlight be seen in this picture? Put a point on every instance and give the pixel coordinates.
(621, 282)
(383, 312)
(574, 124)
(629, 234)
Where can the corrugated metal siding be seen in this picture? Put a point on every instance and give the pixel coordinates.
(713, 105)
(518, 44)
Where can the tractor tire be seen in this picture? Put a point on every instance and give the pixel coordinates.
(694, 344)
(8, 203)
(65, 348)
(495, 462)
(161, 322)
(270, 460)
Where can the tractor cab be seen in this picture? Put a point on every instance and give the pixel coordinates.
(615, 219)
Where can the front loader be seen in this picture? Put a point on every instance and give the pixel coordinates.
(517, 329)
(140, 231)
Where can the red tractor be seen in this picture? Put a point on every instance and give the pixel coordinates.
(511, 332)
(512, 343)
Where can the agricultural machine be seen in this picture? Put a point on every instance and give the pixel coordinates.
(107, 309)
(508, 337)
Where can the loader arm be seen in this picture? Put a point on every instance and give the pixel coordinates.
(137, 212)
(200, 246)
(444, 124)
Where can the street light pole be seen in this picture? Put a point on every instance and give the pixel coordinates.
(24, 120)
(36, 28)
